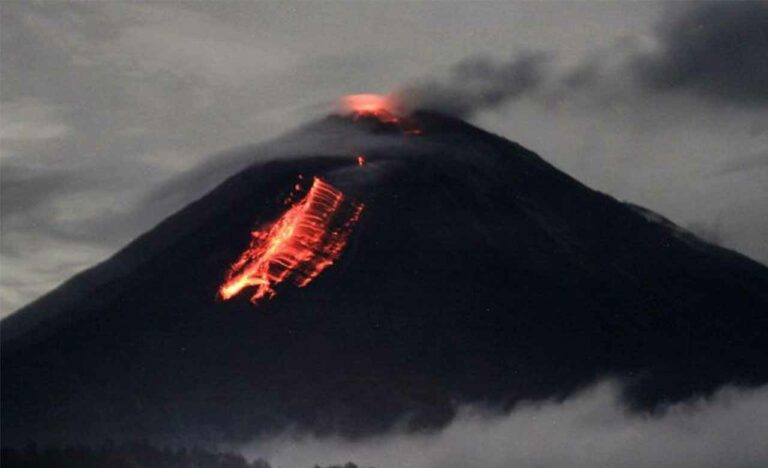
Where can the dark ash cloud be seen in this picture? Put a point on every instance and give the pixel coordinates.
(717, 48)
(477, 83)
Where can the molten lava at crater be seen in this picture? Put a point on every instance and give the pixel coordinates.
(305, 240)
(380, 108)
(370, 105)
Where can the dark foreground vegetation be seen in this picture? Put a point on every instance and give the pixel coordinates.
(130, 455)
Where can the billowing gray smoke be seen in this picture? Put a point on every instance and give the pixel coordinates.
(475, 84)
(716, 49)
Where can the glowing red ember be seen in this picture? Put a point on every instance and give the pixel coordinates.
(299, 245)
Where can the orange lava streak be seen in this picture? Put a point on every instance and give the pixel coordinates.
(302, 243)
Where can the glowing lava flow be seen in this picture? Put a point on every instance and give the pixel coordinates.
(299, 245)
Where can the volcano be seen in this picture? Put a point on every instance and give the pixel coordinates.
(476, 273)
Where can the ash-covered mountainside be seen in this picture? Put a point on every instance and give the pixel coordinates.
(477, 273)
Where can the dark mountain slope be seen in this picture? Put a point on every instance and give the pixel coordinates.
(477, 273)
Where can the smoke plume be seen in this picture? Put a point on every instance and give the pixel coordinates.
(477, 83)
(719, 49)
(715, 49)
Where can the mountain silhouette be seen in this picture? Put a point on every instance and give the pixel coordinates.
(477, 273)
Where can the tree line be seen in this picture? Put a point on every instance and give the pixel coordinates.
(130, 455)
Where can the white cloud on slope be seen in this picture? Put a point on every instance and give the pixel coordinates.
(590, 430)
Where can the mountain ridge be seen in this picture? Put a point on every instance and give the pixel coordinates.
(478, 273)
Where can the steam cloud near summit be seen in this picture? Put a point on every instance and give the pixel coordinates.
(715, 49)
(476, 83)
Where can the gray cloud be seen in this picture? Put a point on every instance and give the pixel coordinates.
(25, 189)
(749, 163)
(589, 430)
(56, 222)
(477, 83)
(30, 119)
(716, 48)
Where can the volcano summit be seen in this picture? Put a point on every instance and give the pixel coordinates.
(476, 272)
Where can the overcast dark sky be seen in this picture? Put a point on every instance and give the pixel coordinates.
(106, 104)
